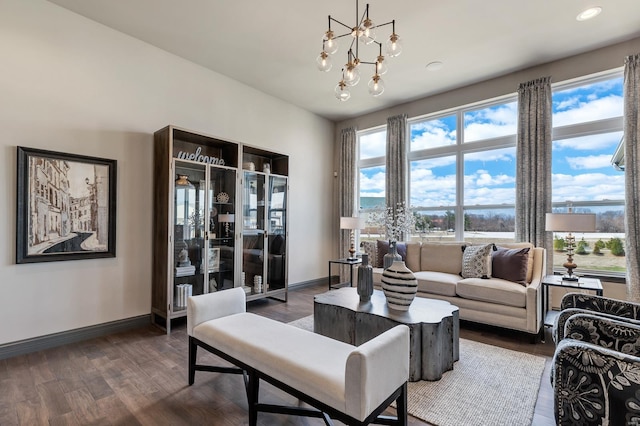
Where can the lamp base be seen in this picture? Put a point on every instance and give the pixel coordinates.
(573, 278)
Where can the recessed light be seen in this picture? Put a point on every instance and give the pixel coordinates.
(592, 12)
(434, 66)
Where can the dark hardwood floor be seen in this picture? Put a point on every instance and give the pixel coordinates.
(139, 377)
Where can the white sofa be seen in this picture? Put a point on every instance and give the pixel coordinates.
(353, 384)
(494, 301)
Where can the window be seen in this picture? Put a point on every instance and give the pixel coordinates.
(462, 166)
(462, 173)
(587, 118)
(371, 176)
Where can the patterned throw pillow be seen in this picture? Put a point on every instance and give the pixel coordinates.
(370, 248)
(476, 261)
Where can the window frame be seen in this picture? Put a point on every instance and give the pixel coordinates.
(589, 128)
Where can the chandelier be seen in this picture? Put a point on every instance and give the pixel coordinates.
(363, 33)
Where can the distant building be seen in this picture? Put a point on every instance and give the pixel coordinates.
(49, 200)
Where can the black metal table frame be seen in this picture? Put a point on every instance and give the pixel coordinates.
(547, 282)
(351, 264)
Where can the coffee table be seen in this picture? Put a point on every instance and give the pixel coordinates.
(434, 327)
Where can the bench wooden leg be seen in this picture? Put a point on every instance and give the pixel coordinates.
(253, 391)
(401, 406)
(193, 351)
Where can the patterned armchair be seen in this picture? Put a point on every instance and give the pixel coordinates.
(596, 366)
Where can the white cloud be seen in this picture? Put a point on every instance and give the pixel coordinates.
(587, 187)
(373, 144)
(505, 154)
(598, 109)
(435, 133)
(592, 142)
(590, 162)
(491, 122)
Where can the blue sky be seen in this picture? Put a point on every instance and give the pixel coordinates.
(581, 167)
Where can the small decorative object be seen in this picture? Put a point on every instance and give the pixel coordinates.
(214, 259)
(227, 219)
(249, 165)
(257, 283)
(397, 222)
(399, 286)
(365, 279)
(222, 197)
(391, 256)
(266, 167)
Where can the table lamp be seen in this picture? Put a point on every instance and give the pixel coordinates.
(226, 218)
(570, 222)
(352, 223)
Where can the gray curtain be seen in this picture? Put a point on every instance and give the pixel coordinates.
(347, 183)
(632, 174)
(397, 163)
(533, 173)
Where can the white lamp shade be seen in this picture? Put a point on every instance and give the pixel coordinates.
(351, 223)
(226, 217)
(570, 222)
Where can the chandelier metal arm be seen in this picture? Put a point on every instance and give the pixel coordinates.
(363, 33)
(341, 23)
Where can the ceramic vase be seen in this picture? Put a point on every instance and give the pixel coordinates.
(399, 286)
(391, 256)
(365, 279)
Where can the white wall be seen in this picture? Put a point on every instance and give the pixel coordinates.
(69, 84)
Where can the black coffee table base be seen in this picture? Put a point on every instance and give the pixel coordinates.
(434, 327)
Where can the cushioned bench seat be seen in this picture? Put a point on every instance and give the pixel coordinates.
(358, 382)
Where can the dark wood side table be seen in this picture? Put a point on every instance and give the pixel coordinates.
(351, 264)
(591, 284)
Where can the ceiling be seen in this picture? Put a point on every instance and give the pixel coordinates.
(272, 45)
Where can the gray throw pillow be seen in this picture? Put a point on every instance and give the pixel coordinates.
(510, 264)
(476, 261)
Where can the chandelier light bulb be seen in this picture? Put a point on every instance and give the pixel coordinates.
(394, 46)
(382, 46)
(381, 65)
(368, 32)
(351, 75)
(376, 85)
(324, 61)
(329, 44)
(342, 91)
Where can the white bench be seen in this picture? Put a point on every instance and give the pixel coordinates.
(353, 384)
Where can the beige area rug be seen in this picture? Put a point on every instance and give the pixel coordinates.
(487, 386)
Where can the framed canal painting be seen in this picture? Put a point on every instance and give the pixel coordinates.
(66, 206)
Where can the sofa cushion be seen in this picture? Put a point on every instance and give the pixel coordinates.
(383, 248)
(510, 264)
(413, 257)
(493, 290)
(530, 263)
(441, 283)
(441, 257)
(476, 261)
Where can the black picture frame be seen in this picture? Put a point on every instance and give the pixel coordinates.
(66, 206)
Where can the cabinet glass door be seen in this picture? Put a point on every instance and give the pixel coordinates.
(253, 224)
(221, 227)
(188, 232)
(277, 225)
